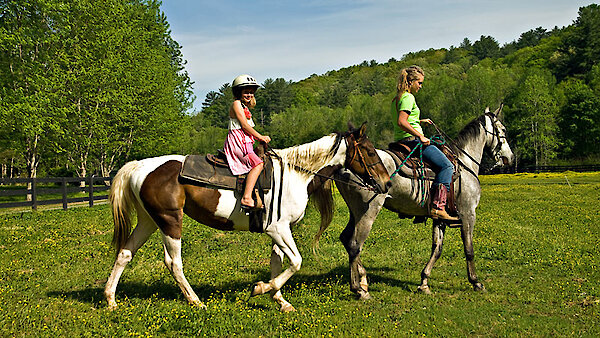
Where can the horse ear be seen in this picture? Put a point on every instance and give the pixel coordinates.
(363, 130)
(499, 110)
(487, 110)
(351, 126)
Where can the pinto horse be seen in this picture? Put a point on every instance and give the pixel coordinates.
(483, 133)
(152, 187)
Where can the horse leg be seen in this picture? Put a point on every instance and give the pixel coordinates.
(282, 237)
(174, 263)
(353, 238)
(438, 231)
(466, 233)
(145, 227)
(276, 267)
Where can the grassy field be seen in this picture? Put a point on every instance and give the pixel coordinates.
(536, 247)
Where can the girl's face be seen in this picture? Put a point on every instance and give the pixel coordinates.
(415, 85)
(247, 94)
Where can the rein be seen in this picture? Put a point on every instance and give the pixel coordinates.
(495, 133)
(350, 182)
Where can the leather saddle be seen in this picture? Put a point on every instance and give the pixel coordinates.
(213, 171)
(413, 168)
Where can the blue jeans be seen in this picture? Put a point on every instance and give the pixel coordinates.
(442, 167)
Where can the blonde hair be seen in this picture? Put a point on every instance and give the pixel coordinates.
(407, 75)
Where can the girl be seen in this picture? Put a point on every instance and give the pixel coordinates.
(240, 139)
(407, 129)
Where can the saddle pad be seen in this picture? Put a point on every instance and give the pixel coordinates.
(197, 170)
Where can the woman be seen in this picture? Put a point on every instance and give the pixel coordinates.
(240, 138)
(407, 130)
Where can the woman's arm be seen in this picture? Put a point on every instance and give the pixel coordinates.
(403, 123)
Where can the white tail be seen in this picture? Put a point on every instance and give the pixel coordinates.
(122, 200)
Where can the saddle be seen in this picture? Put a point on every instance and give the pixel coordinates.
(213, 171)
(414, 169)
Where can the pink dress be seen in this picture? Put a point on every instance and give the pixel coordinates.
(239, 146)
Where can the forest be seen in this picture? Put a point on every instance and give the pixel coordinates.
(81, 94)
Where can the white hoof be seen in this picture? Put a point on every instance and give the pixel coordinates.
(424, 289)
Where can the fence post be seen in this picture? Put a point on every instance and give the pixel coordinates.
(34, 193)
(91, 187)
(64, 193)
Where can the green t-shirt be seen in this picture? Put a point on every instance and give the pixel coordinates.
(407, 103)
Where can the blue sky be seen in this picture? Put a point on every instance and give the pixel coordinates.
(221, 39)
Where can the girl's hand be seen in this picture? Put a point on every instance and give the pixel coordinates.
(265, 139)
(428, 121)
(424, 140)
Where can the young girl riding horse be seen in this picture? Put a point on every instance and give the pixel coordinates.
(240, 139)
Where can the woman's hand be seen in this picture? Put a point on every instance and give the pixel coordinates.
(424, 140)
(428, 121)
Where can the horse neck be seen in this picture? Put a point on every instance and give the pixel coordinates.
(311, 157)
(472, 140)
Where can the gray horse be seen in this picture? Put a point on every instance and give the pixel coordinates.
(404, 197)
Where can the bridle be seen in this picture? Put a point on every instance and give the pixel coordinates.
(370, 181)
(497, 137)
(494, 152)
(363, 162)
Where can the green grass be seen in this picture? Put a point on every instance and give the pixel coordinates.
(535, 244)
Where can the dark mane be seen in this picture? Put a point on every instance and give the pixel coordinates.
(471, 130)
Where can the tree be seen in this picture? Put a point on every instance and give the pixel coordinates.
(580, 114)
(486, 47)
(274, 97)
(29, 40)
(535, 118)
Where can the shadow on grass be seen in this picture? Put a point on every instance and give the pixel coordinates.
(170, 291)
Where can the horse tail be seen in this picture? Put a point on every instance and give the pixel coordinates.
(322, 198)
(122, 201)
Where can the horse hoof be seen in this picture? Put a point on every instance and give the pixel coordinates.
(364, 295)
(479, 287)
(198, 304)
(259, 288)
(424, 289)
(112, 305)
(285, 308)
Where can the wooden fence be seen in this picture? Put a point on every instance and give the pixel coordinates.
(39, 188)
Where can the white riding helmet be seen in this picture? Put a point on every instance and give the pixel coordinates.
(244, 81)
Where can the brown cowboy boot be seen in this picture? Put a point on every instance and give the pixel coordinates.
(438, 204)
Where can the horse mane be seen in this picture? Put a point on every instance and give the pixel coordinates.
(311, 156)
(471, 130)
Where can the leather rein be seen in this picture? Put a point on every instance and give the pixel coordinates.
(362, 161)
(494, 152)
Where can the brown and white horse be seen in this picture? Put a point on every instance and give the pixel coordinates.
(151, 187)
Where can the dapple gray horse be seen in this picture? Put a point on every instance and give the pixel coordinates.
(485, 132)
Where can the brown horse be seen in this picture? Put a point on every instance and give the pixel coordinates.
(152, 186)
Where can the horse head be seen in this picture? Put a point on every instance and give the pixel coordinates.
(496, 138)
(362, 159)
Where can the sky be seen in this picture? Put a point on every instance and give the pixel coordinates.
(222, 39)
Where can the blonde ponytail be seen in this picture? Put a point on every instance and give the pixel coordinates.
(407, 75)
